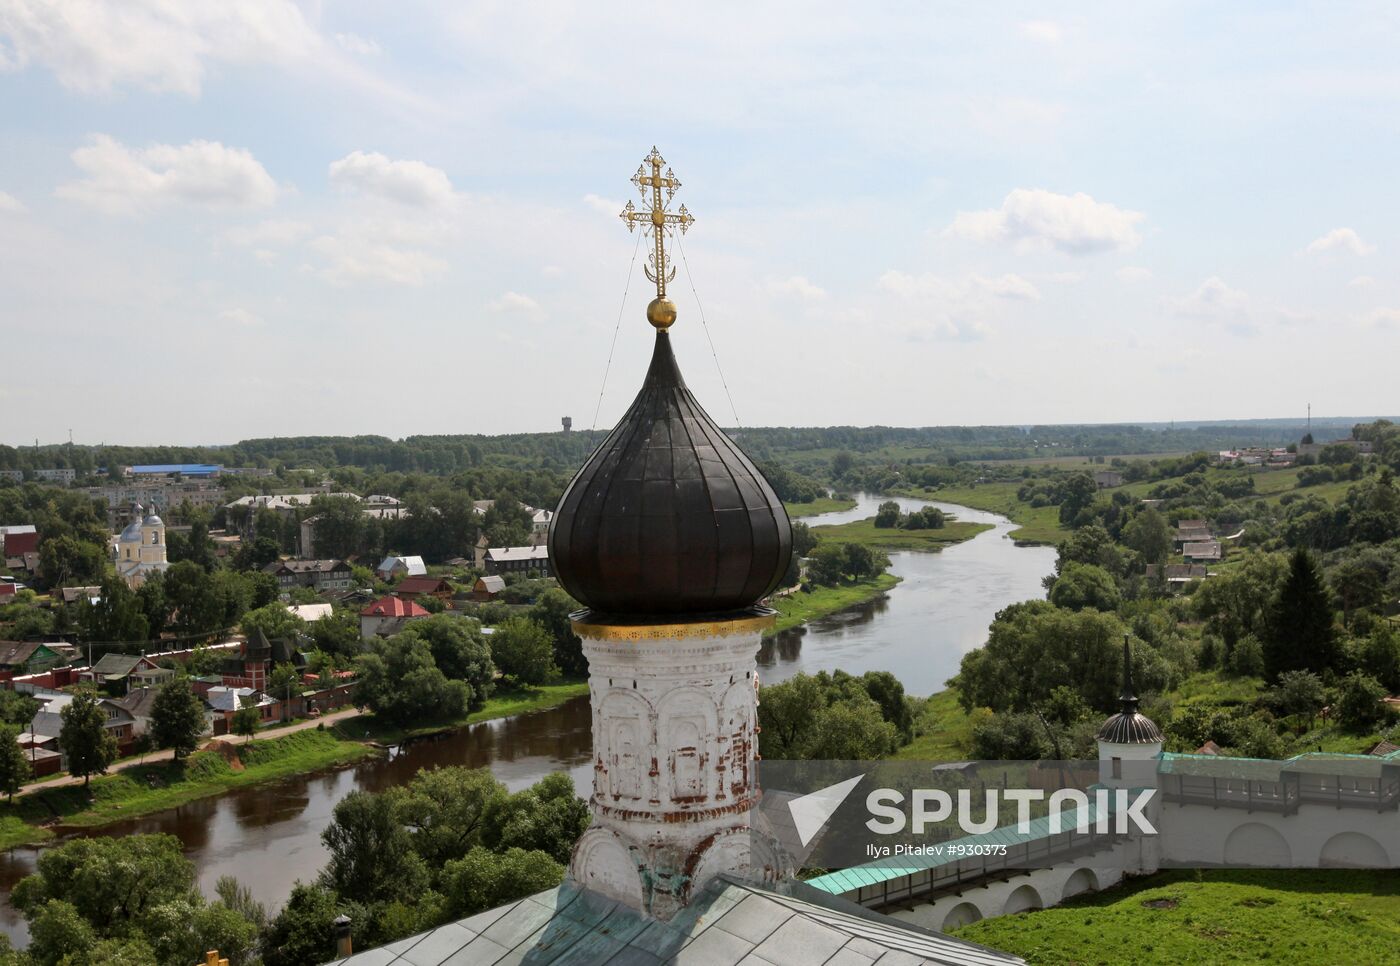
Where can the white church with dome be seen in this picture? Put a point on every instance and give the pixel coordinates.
(140, 549)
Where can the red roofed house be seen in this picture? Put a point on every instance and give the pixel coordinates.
(387, 616)
(18, 542)
(411, 588)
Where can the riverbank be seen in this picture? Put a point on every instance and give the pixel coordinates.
(824, 505)
(892, 538)
(505, 702)
(1213, 915)
(804, 606)
(1038, 526)
(157, 786)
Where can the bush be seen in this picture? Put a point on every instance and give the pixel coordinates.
(1359, 707)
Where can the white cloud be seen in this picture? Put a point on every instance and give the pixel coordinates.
(1008, 287)
(798, 286)
(158, 45)
(1133, 273)
(407, 182)
(278, 232)
(1340, 239)
(1384, 318)
(1362, 281)
(355, 44)
(604, 206)
(352, 257)
(1042, 31)
(1032, 218)
(122, 180)
(9, 202)
(1212, 300)
(242, 317)
(514, 302)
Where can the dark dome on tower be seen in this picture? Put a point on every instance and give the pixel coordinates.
(669, 517)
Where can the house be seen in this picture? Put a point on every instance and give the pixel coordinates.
(487, 588)
(392, 567)
(387, 616)
(198, 470)
(27, 657)
(15, 542)
(120, 671)
(411, 588)
(8, 590)
(1191, 531)
(500, 560)
(1202, 551)
(1107, 479)
(71, 595)
(48, 721)
(139, 703)
(252, 667)
(1178, 575)
(321, 575)
(312, 612)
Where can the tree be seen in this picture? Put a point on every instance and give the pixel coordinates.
(245, 722)
(828, 564)
(841, 464)
(17, 709)
(1149, 534)
(177, 717)
(257, 554)
(1359, 703)
(183, 930)
(1380, 656)
(1300, 635)
(547, 817)
(551, 611)
(483, 879)
(112, 883)
(68, 560)
(302, 932)
(888, 515)
(1076, 495)
(447, 810)
(275, 621)
(1081, 586)
(1299, 693)
(84, 737)
(524, 651)
(460, 651)
(57, 935)
(116, 617)
(803, 539)
(14, 766)
(371, 854)
(399, 681)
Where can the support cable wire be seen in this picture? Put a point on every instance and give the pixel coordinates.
(608, 368)
(706, 326)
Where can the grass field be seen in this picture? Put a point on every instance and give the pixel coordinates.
(891, 538)
(801, 607)
(1298, 917)
(945, 730)
(1040, 525)
(503, 703)
(155, 787)
(824, 505)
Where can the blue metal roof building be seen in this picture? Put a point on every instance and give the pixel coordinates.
(184, 469)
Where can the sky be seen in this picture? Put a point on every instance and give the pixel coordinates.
(231, 220)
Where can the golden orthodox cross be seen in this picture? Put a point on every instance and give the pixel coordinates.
(654, 217)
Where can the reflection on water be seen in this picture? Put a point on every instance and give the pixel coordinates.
(270, 836)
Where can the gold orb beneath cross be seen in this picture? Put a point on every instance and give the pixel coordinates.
(661, 312)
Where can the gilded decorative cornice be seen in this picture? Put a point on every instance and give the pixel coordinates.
(598, 627)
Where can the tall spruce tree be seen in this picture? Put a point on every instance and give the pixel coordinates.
(1300, 634)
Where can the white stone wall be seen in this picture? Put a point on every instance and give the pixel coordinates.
(674, 755)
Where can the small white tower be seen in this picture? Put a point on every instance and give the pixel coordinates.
(1127, 736)
(1129, 745)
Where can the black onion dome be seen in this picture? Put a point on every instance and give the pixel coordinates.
(669, 516)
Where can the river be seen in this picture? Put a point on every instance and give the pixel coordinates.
(268, 836)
